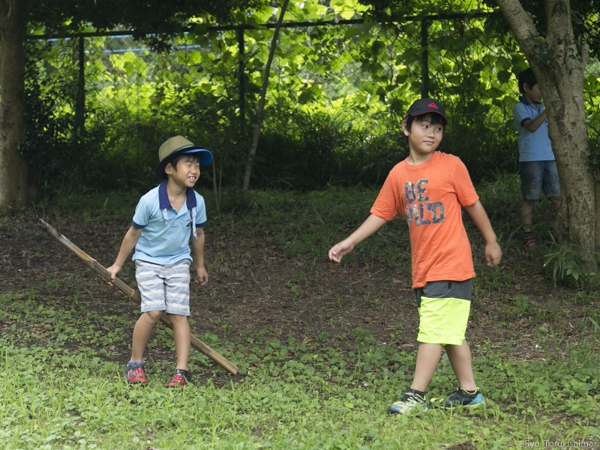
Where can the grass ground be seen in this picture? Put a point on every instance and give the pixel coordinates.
(322, 382)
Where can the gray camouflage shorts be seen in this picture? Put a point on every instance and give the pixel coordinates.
(164, 288)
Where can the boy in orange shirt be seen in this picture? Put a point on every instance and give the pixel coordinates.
(428, 189)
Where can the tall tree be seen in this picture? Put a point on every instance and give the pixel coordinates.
(261, 102)
(152, 20)
(14, 191)
(559, 63)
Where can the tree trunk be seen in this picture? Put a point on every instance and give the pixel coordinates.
(559, 67)
(14, 190)
(261, 102)
(597, 207)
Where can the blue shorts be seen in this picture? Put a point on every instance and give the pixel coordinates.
(164, 288)
(539, 175)
(444, 308)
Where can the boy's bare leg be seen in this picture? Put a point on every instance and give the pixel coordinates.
(527, 214)
(556, 201)
(460, 358)
(141, 334)
(181, 334)
(428, 358)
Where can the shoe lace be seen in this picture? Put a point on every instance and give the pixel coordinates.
(411, 397)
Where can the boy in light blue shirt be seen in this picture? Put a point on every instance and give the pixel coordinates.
(538, 166)
(165, 220)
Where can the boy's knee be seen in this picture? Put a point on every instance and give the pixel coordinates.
(154, 316)
(177, 318)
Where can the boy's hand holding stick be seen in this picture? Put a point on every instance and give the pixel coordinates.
(134, 295)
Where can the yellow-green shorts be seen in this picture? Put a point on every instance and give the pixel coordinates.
(444, 308)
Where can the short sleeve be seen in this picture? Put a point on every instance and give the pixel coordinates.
(465, 191)
(521, 113)
(141, 217)
(388, 203)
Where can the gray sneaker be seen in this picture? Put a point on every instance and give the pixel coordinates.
(410, 403)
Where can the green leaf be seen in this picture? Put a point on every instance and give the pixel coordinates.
(504, 76)
(377, 47)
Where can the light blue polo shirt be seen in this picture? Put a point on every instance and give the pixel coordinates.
(534, 146)
(166, 233)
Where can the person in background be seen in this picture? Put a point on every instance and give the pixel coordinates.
(536, 158)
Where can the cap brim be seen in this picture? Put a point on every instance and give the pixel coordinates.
(205, 155)
(428, 112)
(205, 158)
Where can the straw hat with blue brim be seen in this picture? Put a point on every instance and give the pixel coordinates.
(177, 146)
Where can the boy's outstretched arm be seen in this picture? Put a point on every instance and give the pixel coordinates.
(131, 238)
(493, 252)
(198, 247)
(369, 226)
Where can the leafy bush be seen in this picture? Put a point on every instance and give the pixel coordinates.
(333, 117)
(486, 151)
(63, 157)
(568, 262)
(306, 151)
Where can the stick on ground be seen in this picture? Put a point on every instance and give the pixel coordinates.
(134, 295)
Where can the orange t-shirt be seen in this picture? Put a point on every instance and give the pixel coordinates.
(429, 196)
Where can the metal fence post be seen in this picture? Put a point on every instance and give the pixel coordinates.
(424, 58)
(79, 121)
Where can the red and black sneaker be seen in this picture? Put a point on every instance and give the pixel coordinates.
(134, 373)
(528, 239)
(180, 378)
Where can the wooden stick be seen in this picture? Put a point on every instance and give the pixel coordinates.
(134, 295)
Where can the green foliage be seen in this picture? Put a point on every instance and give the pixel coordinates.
(584, 16)
(501, 198)
(591, 86)
(61, 159)
(153, 20)
(484, 154)
(571, 263)
(335, 101)
(311, 151)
